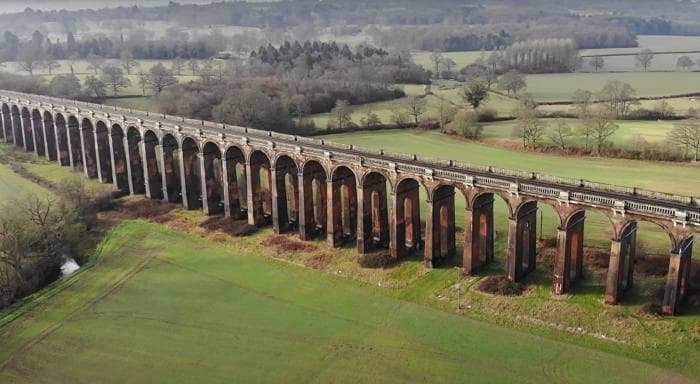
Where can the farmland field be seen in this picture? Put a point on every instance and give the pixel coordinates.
(560, 86)
(153, 309)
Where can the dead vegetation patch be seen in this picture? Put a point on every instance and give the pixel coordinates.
(377, 260)
(146, 209)
(650, 310)
(318, 261)
(500, 285)
(287, 244)
(228, 225)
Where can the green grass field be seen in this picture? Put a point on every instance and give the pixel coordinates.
(561, 86)
(14, 187)
(162, 306)
(629, 133)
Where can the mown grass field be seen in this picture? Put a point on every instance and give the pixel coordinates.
(14, 187)
(629, 133)
(159, 305)
(561, 86)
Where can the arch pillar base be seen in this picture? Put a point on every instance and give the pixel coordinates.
(522, 242)
(478, 234)
(622, 253)
(568, 264)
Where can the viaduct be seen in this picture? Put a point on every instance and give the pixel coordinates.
(347, 194)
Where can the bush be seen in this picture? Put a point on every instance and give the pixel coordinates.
(486, 115)
(500, 285)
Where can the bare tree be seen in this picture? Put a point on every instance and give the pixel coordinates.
(597, 62)
(95, 62)
(51, 65)
(560, 134)
(436, 58)
(177, 66)
(582, 100)
(601, 128)
(416, 107)
(29, 59)
(143, 81)
(160, 78)
(512, 81)
(687, 135)
(618, 97)
(643, 59)
(446, 112)
(193, 65)
(113, 77)
(95, 86)
(528, 126)
(341, 114)
(128, 61)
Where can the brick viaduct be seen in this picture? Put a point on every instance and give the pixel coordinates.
(342, 193)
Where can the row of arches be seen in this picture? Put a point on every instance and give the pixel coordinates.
(320, 199)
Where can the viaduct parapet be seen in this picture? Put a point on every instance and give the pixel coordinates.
(344, 193)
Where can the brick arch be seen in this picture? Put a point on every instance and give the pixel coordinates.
(313, 200)
(50, 133)
(343, 201)
(373, 211)
(363, 177)
(406, 236)
(153, 176)
(191, 178)
(134, 139)
(119, 156)
(103, 151)
(37, 127)
(7, 123)
(212, 188)
(260, 198)
(285, 192)
(235, 162)
(26, 124)
(76, 149)
(171, 168)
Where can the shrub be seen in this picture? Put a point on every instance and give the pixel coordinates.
(500, 285)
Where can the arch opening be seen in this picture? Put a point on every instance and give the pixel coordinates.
(7, 124)
(375, 213)
(152, 166)
(286, 174)
(26, 120)
(16, 120)
(103, 150)
(171, 168)
(133, 137)
(236, 177)
(37, 126)
(76, 149)
(314, 198)
(407, 217)
(192, 177)
(260, 204)
(62, 145)
(90, 153)
(344, 206)
(120, 161)
(213, 176)
(50, 130)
